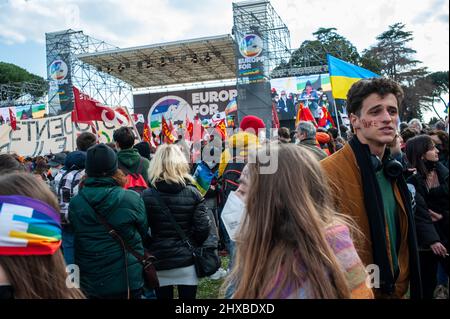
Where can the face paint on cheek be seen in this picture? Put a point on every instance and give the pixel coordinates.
(368, 124)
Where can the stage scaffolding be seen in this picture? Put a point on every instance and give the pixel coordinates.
(261, 18)
(105, 88)
(12, 94)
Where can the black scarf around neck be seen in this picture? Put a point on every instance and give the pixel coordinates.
(373, 203)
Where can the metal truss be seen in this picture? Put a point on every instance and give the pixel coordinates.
(12, 94)
(101, 86)
(260, 17)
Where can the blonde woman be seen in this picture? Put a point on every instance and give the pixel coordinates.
(169, 176)
(291, 243)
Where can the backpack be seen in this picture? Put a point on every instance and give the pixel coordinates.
(67, 188)
(135, 181)
(230, 177)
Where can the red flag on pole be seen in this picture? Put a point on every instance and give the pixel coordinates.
(146, 135)
(326, 120)
(88, 109)
(12, 119)
(222, 129)
(189, 131)
(304, 114)
(167, 132)
(198, 131)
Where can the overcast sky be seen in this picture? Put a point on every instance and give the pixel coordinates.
(125, 23)
(138, 22)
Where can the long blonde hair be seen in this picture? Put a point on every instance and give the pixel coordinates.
(282, 241)
(170, 165)
(35, 277)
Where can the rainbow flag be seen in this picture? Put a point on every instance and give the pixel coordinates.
(28, 227)
(343, 75)
(203, 177)
(231, 107)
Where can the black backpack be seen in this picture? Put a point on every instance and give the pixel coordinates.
(230, 177)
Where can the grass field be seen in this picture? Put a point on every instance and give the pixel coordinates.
(209, 288)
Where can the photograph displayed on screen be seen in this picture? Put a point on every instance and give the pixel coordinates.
(313, 91)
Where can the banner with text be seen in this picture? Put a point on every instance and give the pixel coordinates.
(51, 135)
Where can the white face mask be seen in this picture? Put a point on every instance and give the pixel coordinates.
(232, 214)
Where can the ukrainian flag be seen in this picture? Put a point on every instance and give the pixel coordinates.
(344, 74)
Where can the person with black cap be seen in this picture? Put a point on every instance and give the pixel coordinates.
(101, 257)
(56, 163)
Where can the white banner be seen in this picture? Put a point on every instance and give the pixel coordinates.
(50, 135)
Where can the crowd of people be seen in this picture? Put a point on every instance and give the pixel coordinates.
(359, 213)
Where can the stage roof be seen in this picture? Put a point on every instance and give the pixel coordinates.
(169, 63)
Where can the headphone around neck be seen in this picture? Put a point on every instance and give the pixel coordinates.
(390, 166)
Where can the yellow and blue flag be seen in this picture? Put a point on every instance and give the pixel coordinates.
(343, 75)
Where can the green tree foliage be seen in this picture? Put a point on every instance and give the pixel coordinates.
(327, 40)
(25, 82)
(432, 88)
(391, 56)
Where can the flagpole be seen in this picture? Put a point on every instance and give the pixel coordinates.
(134, 125)
(73, 134)
(337, 118)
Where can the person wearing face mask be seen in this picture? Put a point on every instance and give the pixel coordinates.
(432, 212)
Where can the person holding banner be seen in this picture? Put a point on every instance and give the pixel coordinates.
(369, 187)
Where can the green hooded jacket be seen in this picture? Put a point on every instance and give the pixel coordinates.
(129, 158)
(98, 255)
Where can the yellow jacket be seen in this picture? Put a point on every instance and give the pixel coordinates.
(242, 142)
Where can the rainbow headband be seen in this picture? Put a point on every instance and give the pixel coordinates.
(28, 227)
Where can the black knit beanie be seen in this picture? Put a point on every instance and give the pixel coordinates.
(101, 161)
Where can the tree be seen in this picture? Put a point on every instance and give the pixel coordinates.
(327, 40)
(440, 82)
(393, 55)
(22, 81)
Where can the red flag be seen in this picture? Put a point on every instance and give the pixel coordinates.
(146, 135)
(88, 109)
(189, 131)
(12, 119)
(326, 120)
(304, 114)
(275, 120)
(198, 131)
(173, 130)
(222, 129)
(167, 132)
